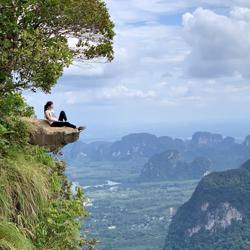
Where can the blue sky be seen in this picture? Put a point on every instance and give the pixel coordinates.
(180, 66)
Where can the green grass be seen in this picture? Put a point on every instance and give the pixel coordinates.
(11, 238)
(24, 190)
(36, 201)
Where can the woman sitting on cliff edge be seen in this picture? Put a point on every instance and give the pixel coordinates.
(53, 121)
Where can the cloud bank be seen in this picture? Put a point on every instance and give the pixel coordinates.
(219, 44)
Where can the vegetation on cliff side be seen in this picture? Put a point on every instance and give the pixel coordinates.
(38, 208)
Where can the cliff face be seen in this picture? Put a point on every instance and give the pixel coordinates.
(217, 216)
(206, 139)
(42, 134)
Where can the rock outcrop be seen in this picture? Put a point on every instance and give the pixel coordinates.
(53, 139)
(217, 216)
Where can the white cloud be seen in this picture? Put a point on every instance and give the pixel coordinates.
(147, 11)
(84, 69)
(240, 13)
(133, 11)
(220, 45)
(105, 94)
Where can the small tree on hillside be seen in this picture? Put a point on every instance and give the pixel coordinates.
(34, 37)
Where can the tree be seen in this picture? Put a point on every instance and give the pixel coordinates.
(35, 35)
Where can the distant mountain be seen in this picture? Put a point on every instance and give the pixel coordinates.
(134, 145)
(129, 147)
(96, 151)
(169, 166)
(223, 152)
(142, 145)
(246, 142)
(217, 216)
(206, 139)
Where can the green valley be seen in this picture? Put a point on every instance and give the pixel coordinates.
(127, 214)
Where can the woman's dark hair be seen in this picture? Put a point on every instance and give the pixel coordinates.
(47, 105)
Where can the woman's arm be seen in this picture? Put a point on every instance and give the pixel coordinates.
(49, 116)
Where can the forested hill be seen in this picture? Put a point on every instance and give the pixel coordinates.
(169, 166)
(217, 216)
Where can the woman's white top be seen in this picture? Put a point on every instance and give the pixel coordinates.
(51, 113)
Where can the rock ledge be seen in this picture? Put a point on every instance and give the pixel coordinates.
(53, 139)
